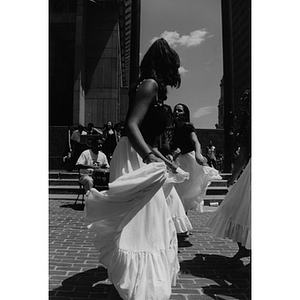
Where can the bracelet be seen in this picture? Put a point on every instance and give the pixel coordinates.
(147, 156)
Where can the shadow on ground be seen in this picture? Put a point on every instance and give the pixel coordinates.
(229, 277)
(92, 284)
(74, 206)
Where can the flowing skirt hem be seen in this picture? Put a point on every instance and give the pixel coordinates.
(131, 280)
(226, 228)
(193, 190)
(182, 224)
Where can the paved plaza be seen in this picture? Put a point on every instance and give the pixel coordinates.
(206, 271)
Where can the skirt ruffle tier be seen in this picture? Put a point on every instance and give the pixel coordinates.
(135, 233)
(179, 217)
(233, 218)
(192, 191)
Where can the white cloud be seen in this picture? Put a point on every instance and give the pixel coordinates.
(193, 39)
(204, 111)
(182, 71)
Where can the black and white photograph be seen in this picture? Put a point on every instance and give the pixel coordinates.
(150, 149)
(153, 164)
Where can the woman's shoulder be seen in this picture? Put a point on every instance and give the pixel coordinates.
(147, 89)
(147, 83)
(189, 126)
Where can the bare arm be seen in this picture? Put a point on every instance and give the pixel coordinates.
(201, 160)
(171, 164)
(146, 92)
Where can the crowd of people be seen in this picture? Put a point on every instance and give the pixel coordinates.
(157, 174)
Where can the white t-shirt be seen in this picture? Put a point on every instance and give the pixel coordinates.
(89, 158)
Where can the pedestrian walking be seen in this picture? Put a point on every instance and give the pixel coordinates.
(136, 237)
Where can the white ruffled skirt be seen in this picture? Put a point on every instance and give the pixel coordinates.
(193, 190)
(233, 218)
(179, 217)
(136, 236)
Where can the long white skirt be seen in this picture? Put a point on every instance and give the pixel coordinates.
(233, 218)
(179, 217)
(192, 191)
(136, 236)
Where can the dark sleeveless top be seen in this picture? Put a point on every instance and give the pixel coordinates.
(155, 121)
(182, 138)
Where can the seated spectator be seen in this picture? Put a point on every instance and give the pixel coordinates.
(88, 161)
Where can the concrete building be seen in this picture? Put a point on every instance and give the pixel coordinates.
(93, 56)
(236, 32)
(239, 18)
(90, 46)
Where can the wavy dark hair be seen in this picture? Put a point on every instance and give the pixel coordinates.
(160, 63)
(186, 112)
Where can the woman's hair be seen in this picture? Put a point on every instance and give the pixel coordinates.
(160, 63)
(186, 112)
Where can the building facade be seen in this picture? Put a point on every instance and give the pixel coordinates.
(89, 61)
(93, 56)
(239, 19)
(236, 32)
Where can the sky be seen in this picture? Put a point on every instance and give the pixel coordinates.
(193, 29)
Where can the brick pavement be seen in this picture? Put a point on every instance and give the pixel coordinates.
(75, 273)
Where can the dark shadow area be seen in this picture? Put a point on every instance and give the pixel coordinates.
(92, 284)
(74, 206)
(183, 241)
(230, 280)
(100, 22)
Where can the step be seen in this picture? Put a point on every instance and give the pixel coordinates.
(213, 200)
(63, 175)
(208, 200)
(225, 176)
(74, 181)
(73, 187)
(217, 190)
(71, 182)
(220, 182)
(69, 189)
(65, 189)
(64, 197)
(64, 185)
(56, 174)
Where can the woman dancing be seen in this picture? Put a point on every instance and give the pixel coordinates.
(190, 159)
(136, 236)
